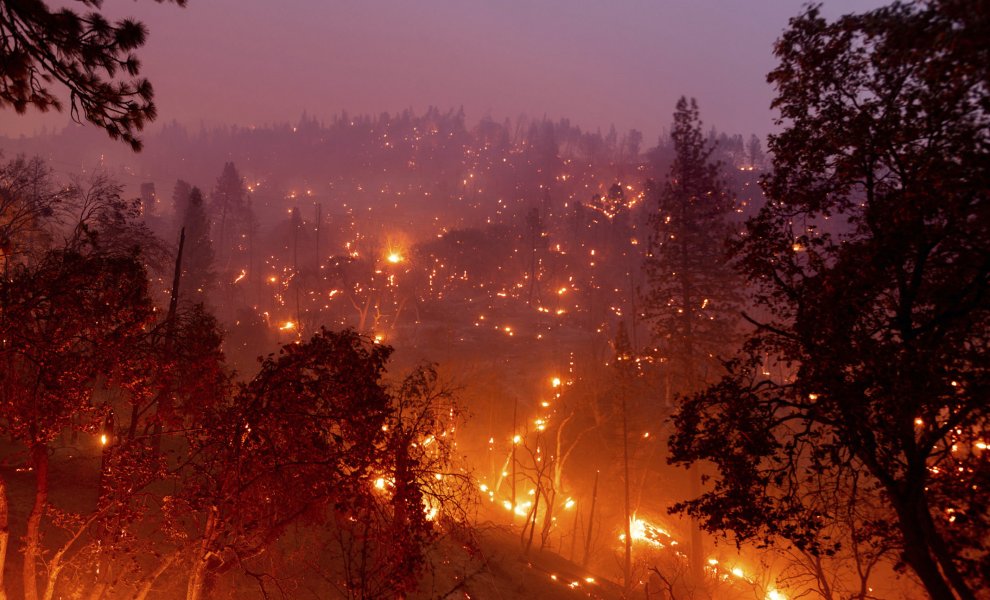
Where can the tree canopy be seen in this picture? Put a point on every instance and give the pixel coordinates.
(871, 264)
(42, 49)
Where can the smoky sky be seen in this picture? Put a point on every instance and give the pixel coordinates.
(597, 62)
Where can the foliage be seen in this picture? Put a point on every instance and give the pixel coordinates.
(64, 322)
(233, 221)
(197, 252)
(28, 198)
(872, 261)
(690, 300)
(89, 56)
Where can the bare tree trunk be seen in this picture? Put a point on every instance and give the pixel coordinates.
(32, 539)
(197, 577)
(164, 399)
(627, 565)
(591, 522)
(4, 535)
(921, 557)
(149, 582)
(697, 547)
(515, 410)
(549, 497)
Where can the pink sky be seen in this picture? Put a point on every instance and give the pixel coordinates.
(597, 62)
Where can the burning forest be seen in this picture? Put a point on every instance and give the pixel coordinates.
(426, 354)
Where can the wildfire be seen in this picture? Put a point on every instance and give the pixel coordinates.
(642, 531)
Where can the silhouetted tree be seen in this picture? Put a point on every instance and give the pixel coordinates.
(198, 276)
(180, 202)
(65, 322)
(691, 298)
(300, 436)
(231, 216)
(872, 260)
(29, 199)
(83, 52)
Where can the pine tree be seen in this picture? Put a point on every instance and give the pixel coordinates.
(90, 57)
(180, 203)
(691, 298)
(231, 216)
(198, 274)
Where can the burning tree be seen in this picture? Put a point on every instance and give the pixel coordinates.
(872, 260)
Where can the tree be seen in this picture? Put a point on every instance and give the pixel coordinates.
(82, 52)
(871, 260)
(180, 202)
(231, 215)
(300, 437)
(691, 300)
(28, 201)
(64, 323)
(198, 275)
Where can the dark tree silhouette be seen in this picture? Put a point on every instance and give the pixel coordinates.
(872, 260)
(299, 437)
(64, 323)
(198, 276)
(81, 52)
(691, 300)
(28, 200)
(180, 202)
(231, 216)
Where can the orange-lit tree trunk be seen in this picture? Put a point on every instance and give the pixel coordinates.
(164, 398)
(32, 539)
(4, 535)
(197, 577)
(627, 564)
(145, 586)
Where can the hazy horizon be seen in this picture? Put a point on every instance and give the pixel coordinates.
(622, 64)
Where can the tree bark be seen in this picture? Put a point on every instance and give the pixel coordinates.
(197, 577)
(150, 580)
(32, 539)
(627, 563)
(4, 535)
(919, 554)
